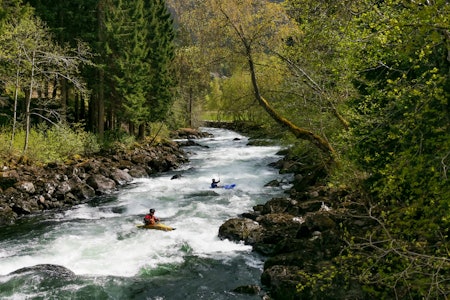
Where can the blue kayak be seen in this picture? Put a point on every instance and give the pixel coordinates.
(226, 186)
(229, 186)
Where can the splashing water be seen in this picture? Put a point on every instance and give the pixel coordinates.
(112, 259)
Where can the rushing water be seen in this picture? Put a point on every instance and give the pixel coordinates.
(112, 259)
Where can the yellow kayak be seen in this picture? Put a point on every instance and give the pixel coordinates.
(158, 226)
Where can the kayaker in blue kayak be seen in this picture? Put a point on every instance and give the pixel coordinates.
(150, 218)
(214, 183)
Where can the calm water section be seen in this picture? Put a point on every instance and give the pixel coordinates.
(112, 259)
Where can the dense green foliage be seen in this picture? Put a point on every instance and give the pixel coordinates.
(139, 48)
(161, 56)
(401, 135)
(394, 55)
(126, 62)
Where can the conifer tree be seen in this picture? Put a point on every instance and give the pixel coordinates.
(133, 40)
(161, 40)
(127, 68)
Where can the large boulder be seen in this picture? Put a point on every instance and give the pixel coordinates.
(121, 177)
(48, 270)
(283, 281)
(90, 166)
(83, 191)
(278, 226)
(8, 178)
(138, 172)
(280, 205)
(26, 187)
(25, 206)
(62, 189)
(7, 215)
(101, 184)
(241, 229)
(189, 133)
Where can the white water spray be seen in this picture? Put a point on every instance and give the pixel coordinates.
(103, 239)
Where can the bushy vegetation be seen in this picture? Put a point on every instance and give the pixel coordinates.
(62, 143)
(48, 144)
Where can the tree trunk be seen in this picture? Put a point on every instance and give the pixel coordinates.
(298, 132)
(16, 95)
(28, 105)
(191, 123)
(101, 107)
(141, 132)
(76, 108)
(101, 74)
(64, 100)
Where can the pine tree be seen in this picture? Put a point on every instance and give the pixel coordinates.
(161, 41)
(127, 67)
(133, 40)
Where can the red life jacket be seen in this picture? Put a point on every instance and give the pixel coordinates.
(150, 220)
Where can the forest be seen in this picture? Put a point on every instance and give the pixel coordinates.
(359, 88)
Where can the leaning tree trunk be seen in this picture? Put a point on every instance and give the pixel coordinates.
(298, 132)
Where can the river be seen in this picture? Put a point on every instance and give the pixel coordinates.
(112, 259)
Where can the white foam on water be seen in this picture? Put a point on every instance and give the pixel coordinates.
(101, 241)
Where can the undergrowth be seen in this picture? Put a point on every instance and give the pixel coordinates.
(47, 144)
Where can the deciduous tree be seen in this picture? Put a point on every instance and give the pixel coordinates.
(27, 47)
(401, 139)
(250, 29)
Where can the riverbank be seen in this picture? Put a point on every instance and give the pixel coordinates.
(27, 188)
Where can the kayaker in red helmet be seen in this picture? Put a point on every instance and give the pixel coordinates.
(150, 218)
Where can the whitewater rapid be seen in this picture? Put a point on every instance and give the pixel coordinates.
(101, 239)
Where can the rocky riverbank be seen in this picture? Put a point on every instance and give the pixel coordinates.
(299, 235)
(27, 188)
